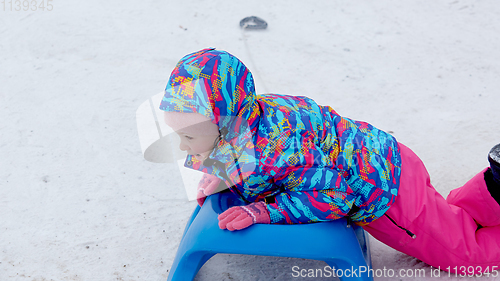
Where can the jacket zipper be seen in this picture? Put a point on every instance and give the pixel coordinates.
(406, 230)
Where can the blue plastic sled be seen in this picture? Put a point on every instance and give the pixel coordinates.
(341, 246)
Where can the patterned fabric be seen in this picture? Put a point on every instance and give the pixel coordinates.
(313, 162)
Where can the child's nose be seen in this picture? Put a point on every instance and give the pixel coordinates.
(183, 147)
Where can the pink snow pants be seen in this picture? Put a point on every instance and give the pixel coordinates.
(447, 232)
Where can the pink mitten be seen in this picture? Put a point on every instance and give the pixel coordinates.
(239, 217)
(207, 185)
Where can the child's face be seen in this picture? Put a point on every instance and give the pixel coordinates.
(197, 133)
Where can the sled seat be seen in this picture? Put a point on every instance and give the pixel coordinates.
(343, 247)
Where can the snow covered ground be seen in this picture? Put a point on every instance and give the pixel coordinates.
(78, 201)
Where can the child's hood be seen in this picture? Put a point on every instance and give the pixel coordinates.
(215, 84)
(219, 86)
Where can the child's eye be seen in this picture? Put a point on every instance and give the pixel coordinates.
(188, 137)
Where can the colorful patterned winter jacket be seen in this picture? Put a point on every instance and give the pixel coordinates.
(312, 163)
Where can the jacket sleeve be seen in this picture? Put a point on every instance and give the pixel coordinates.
(313, 200)
(314, 190)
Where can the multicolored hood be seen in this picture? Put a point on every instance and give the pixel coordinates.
(215, 84)
(219, 86)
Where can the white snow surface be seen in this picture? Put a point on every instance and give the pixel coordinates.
(78, 201)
